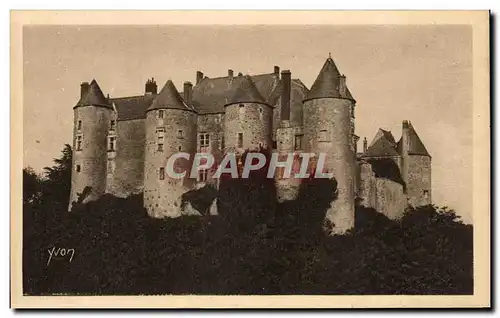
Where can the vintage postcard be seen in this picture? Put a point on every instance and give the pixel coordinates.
(250, 159)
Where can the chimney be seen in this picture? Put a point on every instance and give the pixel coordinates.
(365, 145)
(199, 76)
(240, 74)
(188, 92)
(277, 70)
(230, 73)
(84, 88)
(286, 78)
(151, 87)
(342, 86)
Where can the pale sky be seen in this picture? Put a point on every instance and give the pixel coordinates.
(419, 73)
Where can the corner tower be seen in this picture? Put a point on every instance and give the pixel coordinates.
(329, 129)
(170, 128)
(92, 119)
(248, 119)
(415, 166)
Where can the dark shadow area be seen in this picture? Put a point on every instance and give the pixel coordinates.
(254, 245)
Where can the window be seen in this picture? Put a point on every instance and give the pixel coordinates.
(162, 173)
(111, 144)
(112, 125)
(160, 114)
(323, 135)
(78, 168)
(204, 142)
(179, 148)
(242, 111)
(179, 134)
(240, 140)
(275, 144)
(261, 114)
(222, 143)
(426, 194)
(78, 143)
(160, 143)
(298, 142)
(79, 125)
(203, 175)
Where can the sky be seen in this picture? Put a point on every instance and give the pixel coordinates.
(421, 73)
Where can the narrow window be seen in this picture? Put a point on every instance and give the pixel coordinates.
(79, 125)
(240, 140)
(78, 168)
(426, 194)
(160, 114)
(160, 143)
(111, 166)
(179, 148)
(242, 111)
(162, 173)
(275, 144)
(179, 134)
(203, 175)
(78, 143)
(261, 115)
(112, 125)
(298, 142)
(111, 145)
(222, 143)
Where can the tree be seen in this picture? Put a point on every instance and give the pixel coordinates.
(32, 185)
(57, 183)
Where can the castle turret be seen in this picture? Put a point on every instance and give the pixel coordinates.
(92, 120)
(247, 119)
(170, 129)
(415, 166)
(328, 128)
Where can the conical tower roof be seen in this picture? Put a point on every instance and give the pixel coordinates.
(383, 145)
(415, 145)
(169, 98)
(93, 97)
(327, 83)
(246, 92)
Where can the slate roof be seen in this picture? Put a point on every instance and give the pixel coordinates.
(327, 83)
(246, 92)
(169, 98)
(211, 94)
(383, 145)
(134, 107)
(94, 96)
(416, 146)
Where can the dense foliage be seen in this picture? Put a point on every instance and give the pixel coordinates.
(254, 246)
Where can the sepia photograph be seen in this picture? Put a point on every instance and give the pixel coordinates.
(339, 155)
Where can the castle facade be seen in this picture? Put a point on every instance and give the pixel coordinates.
(121, 145)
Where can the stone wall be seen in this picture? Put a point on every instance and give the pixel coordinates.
(91, 160)
(128, 175)
(162, 197)
(419, 180)
(212, 124)
(327, 128)
(254, 120)
(384, 195)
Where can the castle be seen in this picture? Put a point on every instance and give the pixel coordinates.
(121, 145)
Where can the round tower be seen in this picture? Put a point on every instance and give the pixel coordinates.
(248, 119)
(92, 119)
(328, 129)
(170, 129)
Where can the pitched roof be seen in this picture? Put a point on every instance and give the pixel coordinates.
(169, 98)
(383, 145)
(211, 94)
(327, 83)
(134, 107)
(94, 96)
(247, 92)
(415, 145)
